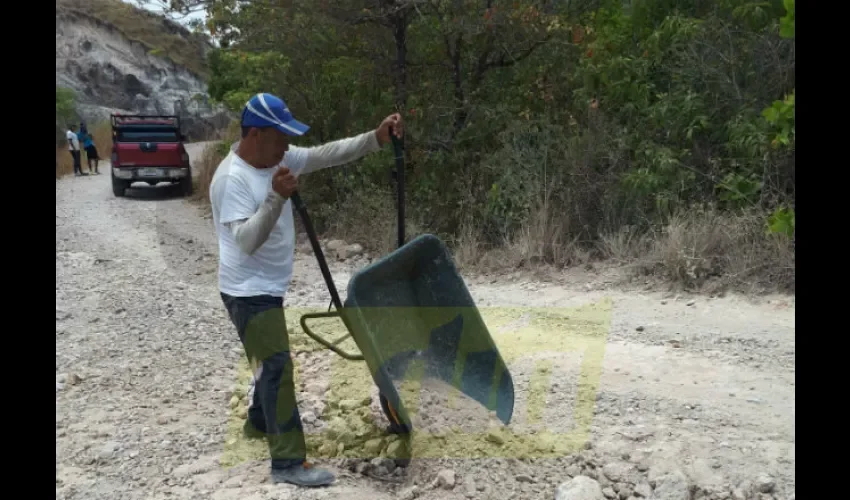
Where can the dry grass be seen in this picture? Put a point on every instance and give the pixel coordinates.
(161, 38)
(367, 218)
(711, 251)
(701, 250)
(102, 134)
(539, 242)
(212, 156)
(206, 170)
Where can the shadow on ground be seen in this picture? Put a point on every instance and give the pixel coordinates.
(159, 192)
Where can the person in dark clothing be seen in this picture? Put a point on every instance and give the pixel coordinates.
(91, 150)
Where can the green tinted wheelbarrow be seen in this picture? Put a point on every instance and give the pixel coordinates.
(412, 306)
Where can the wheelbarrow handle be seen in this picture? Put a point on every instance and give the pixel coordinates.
(323, 265)
(330, 345)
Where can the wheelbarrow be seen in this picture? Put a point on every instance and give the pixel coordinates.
(412, 306)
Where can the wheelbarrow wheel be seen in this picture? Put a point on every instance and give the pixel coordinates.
(396, 425)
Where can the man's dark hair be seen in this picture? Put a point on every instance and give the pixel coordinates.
(245, 131)
(71, 126)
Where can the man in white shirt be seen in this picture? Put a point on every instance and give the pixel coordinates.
(74, 148)
(253, 219)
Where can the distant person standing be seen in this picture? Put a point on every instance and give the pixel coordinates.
(91, 151)
(74, 148)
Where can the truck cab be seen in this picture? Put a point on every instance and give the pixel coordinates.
(148, 148)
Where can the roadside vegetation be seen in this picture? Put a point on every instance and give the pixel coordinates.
(656, 134)
(66, 114)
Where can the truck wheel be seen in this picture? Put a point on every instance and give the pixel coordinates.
(119, 186)
(186, 186)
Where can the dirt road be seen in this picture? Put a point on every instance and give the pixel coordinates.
(695, 395)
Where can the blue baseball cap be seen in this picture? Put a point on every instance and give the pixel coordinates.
(267, 110)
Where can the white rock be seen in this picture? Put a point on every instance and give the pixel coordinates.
(334, 245)
(579, 488)
(672, 486)
(305, 248)
(620, 472)
(386, 463)
(765, 483)
(445, 479)
(349, 251)
(109, 449)
(409, 493)
(643, 490)
(469, 486)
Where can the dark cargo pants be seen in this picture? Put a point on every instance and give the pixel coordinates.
(261, 325)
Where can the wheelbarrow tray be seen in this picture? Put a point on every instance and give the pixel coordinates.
(413, 306)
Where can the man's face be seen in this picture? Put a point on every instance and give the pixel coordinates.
(273, 144)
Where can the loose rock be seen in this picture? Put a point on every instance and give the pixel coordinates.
(620, 472)
(409, 493)
(765, 484)
(334, 245)
(494, 437)
(445, 479)
(579, 488)
(643, 490)
(672, 486)
(349, 251)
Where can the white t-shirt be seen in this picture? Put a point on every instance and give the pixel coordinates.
(73, 141)
(237, 191)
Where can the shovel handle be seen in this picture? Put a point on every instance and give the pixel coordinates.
(398, 149)
(317, 248)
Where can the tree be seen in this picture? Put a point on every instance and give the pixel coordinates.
(65, 111)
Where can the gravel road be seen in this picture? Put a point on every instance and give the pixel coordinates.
(694, 396)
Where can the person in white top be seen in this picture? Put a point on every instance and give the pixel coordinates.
(253, 220)
(74, 148)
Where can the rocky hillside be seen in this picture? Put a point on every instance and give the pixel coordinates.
(117, 58)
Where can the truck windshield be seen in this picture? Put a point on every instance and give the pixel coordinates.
(147, 136)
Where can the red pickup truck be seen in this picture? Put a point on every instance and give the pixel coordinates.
(148, 148)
